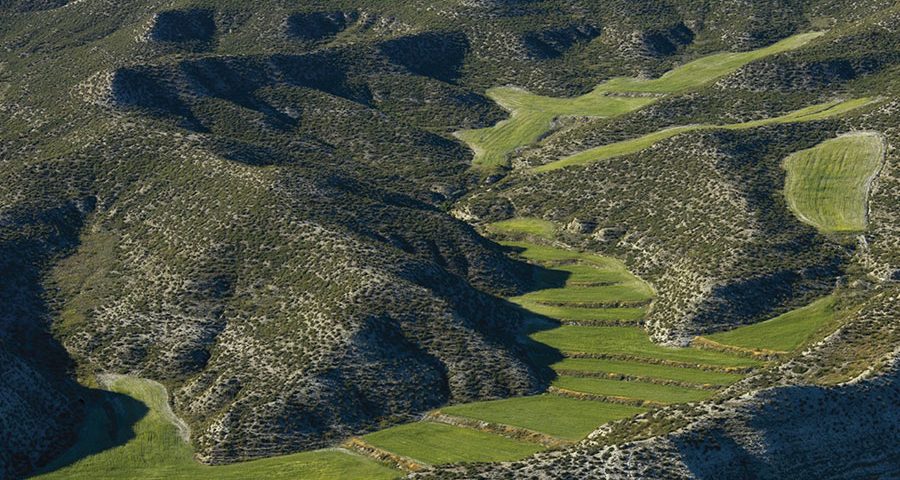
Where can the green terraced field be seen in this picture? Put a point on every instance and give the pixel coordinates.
(436, 443)
(622, 293)
(633, 390)
(827, 186)
(527, 226)
(631, 341)
(562, 417)
(704, 70)
(579, 275)
(544, 254)
(648, 370)
(156, 451)
(531, 115)
(582, 314)
(625, 147)
(783, 333)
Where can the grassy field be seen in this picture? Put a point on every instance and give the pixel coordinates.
(524, 226)
(551, 255)
(625, 147)
(142, 442)
(647, 370)
(631, 341)
(561, 417)
(631, 292)
(704, 70)
(634, 390)
(579, 275)
(827, 186)
(436, 443)
(531, 115)
(783, 333)
(582, 314)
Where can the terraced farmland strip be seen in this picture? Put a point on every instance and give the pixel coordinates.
(437, 443)
(592, 366)
(562, 417)
(578, 275)
(634, 145)
(614, 295)
(141, 442)
(631, 342)
(598, 316)
(631, 389)
(552, 255)
(531, 115)
(704, 70)
(827, 186)
(524, 226)
(783, 333)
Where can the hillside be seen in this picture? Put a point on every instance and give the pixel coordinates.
(314, 224)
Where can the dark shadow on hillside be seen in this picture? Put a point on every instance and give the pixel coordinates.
(109, 422)
(50, 406)
(541, 355)
(700, 449)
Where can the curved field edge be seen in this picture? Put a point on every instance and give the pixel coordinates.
(814, 112)
(130, 434)
(827, 186)
(783, 333)
(531, 115)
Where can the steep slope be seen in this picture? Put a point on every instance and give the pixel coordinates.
(248, 202)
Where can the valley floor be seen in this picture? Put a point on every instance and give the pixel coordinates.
(585, 329)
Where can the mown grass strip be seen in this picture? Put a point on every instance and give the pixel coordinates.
(552, 255)
(631, 342)
(634, 145)
(439, 443)
(531, 115)
(579, 275)
(524, 226)
(630, 389)
(561, 417)
(620, 294)
(827, 186)
(704, 70)
(599, 316)
(141, 442)
(589, 366)
(783, 333)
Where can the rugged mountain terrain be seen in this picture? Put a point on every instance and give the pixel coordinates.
(251, 203)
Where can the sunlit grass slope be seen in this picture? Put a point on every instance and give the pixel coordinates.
(828, 185)
(625, 147)
(531, 115)
(563, 417)
(152, 448)
(783, 333)
(436, 443)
